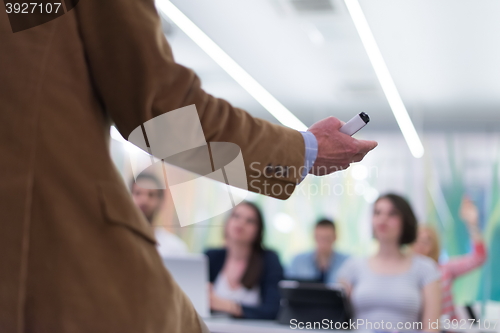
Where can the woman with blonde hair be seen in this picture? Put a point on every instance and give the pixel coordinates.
(427, 243)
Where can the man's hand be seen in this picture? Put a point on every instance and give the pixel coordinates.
(336, 150)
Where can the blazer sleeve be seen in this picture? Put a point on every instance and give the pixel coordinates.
(137, 79)
(270, 296)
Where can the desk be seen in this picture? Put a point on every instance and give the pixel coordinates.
(229, 325)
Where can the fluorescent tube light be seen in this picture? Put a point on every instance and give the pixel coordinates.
(391, 92)
(271, 104)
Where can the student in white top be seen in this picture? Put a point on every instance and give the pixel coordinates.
(244, 275)
(148, 196)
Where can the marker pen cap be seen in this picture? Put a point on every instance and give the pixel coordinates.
(355, 124)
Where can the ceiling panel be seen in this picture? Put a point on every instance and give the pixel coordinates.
(443, 56)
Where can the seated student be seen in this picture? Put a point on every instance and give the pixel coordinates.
(428, 244)
(393, 286)
(244, 277)
(147, 194)
(322, 264)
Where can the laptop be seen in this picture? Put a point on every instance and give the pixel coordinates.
(311, 302)
(191, 274)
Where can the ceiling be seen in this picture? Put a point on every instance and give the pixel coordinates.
(444, 57)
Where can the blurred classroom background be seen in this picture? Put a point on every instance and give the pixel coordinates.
(309, 55)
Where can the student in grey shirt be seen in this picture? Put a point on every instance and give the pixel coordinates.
(394, 289)
(322, 264)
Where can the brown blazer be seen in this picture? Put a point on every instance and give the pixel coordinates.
(75, 253)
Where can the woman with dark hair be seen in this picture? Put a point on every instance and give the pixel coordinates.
(394, 286)
(244, 276)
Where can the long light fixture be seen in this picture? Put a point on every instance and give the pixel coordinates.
(271, 104)
(384, 76)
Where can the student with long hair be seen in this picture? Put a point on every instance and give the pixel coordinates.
(244, 276)
(393, 287)
(427, 244)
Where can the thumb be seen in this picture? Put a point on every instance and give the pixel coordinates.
(367, 145)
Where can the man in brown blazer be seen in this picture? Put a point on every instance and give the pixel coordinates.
(75, 253)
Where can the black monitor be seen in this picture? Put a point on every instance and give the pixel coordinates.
(312, 302)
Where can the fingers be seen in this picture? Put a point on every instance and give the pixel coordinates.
(336, 123)
(337, 150)
(365, 145)
(325, 125)
(364, 148)
(333, 123)
(358, 157)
